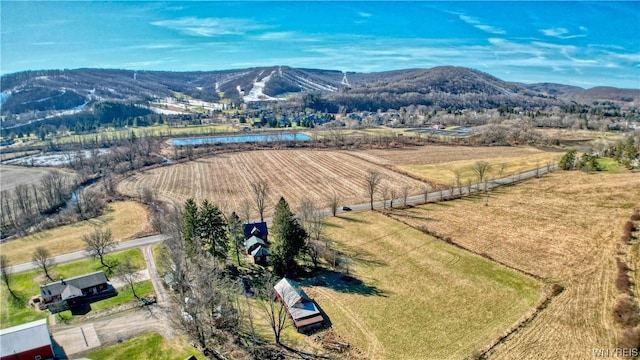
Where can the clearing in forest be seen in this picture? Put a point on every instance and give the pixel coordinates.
(410, 296)
(565, 228)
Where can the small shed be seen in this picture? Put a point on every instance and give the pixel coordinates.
(302, 310)
(259, 255)
(252, 243)
(27, 341)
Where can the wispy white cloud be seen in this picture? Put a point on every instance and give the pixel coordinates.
(210, 27)
(365, 14)
(480, 26)
(287, 36)
(562, 33)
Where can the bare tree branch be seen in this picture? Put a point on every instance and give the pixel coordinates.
(42, 258)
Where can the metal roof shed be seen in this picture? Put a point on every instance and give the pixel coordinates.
(28, 340)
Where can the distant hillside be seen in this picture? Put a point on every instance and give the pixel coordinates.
(439, 88)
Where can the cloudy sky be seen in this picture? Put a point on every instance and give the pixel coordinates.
(586, 44)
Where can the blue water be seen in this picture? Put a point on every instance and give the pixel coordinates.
(241, 139)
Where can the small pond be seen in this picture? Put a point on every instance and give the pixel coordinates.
(241, 138)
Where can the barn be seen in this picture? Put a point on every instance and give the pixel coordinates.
(302, 310)
(27, 341)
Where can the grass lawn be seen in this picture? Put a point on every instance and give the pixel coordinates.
(24, 285)
(416, 297)
(148, 346)
(609, 165)
(126, 219)
(564, 227)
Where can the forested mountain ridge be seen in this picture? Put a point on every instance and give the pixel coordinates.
(440, 88)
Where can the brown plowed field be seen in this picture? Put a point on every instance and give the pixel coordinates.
(226, 179)
(438, 164)
(11, 176)
(564, 228)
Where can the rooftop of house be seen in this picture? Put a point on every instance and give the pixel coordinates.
(24, 337)
(299, 304)
(250, 230)
(260, 251)
(253, 240)
(72, 284)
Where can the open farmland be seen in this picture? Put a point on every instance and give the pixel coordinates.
(416, 297)
(437, 163)
(226, 179)
(126, 220)
(565, 228)
(12, 176)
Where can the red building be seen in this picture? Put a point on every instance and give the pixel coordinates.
(302, 310)
(30, 341)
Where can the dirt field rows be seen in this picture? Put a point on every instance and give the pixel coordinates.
(565, 228)
(438, 163)
(12, 176)
(226, 179)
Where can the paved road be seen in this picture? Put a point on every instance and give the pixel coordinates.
(416, 199)
(139, 242)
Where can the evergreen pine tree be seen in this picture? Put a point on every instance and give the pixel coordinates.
(289, 239)
(190, 226)
(212, 230)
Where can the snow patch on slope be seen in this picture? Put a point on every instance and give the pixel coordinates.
(257, 91)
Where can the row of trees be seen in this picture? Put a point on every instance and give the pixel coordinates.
(626, 152)
(97, 244)
(28, 204)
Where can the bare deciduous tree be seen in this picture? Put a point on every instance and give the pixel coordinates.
(275, 311)
(4, 274)
(384, 191)
(372, 180)
(98, 243)
(333, 203)
(127, 272)
(245, 211)
(481, 168)
(41, 257)
(392, 195)
(306, 211)
(260, 191)
(405, 194)
(501, 169)
(458, 176)
(426, 188)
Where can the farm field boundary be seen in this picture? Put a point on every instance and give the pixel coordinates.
(407, 293)
(551, 290)
(564, 228)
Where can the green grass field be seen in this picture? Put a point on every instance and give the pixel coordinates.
(416, 297)
(24, 285)
(148, 346)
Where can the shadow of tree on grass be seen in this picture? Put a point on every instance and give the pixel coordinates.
(344, 283)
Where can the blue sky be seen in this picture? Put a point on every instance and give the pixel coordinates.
(577, 43)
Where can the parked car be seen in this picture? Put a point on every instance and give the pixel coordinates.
(346, 208)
